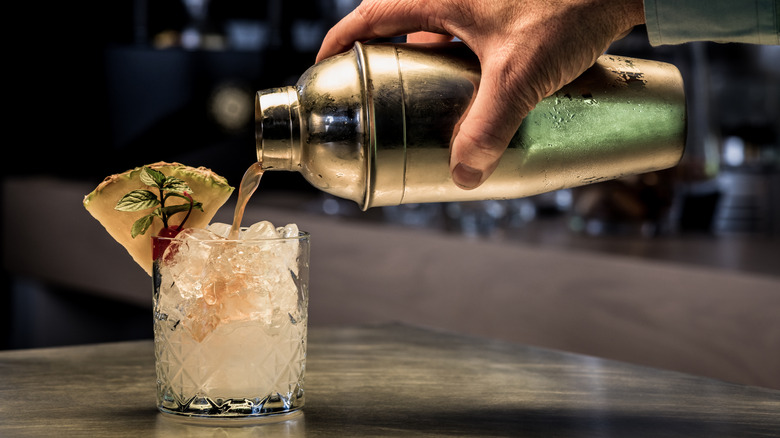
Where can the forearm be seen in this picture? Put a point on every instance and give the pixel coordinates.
(680, 21)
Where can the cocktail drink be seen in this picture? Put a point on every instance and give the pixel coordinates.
(230, 314)
(230, 303)
(230, 319)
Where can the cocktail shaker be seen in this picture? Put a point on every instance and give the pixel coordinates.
(374, 125)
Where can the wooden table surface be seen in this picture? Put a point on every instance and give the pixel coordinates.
(393, 380)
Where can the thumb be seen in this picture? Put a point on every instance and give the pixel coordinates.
(485, 131)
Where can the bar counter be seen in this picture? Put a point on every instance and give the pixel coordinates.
(393, 380)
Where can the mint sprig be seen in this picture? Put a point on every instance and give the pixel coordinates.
(142, 199)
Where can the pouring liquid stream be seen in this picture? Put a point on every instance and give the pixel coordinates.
(249, 184)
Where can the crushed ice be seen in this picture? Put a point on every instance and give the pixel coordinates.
(231, 281)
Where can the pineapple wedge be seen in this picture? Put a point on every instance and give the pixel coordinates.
(207, 187)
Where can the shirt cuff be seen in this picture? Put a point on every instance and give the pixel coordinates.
(723, 21)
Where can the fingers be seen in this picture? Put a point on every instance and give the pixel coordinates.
(373, 19)
(383, 19)
(353, 27)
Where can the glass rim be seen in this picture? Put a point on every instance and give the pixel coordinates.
(302, 235)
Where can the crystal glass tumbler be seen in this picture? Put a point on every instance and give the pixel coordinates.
(230, 323)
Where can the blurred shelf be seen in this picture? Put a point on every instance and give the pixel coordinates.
(751, 253)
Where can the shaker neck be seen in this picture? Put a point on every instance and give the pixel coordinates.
(277, 128)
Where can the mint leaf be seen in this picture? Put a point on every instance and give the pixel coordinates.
(175, 185)
(141, 225)
(137, 200)
(152, 177)
(144, 199)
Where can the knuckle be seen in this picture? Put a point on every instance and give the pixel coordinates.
(365, 12)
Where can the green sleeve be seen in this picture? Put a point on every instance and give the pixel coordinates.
(723, 21)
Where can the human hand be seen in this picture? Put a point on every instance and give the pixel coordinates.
(528, 49)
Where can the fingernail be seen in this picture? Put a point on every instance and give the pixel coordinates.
(466, 176)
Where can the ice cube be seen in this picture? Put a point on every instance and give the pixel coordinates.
(169, 297)
(198, 234)
(284, 296)
(260, 230)
(200, 319)
(220, 229)
(250, 304)
(188, 259)
(287, 231)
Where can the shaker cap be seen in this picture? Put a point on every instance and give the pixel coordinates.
(276, 127)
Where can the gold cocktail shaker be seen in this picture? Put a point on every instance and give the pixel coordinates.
(374, 125)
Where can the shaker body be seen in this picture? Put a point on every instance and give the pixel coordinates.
(375, 124)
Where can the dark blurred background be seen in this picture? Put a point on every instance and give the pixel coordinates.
(97, 87)
(129, 81)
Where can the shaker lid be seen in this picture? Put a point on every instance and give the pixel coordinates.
(276, 128)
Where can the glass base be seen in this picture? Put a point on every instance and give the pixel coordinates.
(230, 419)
